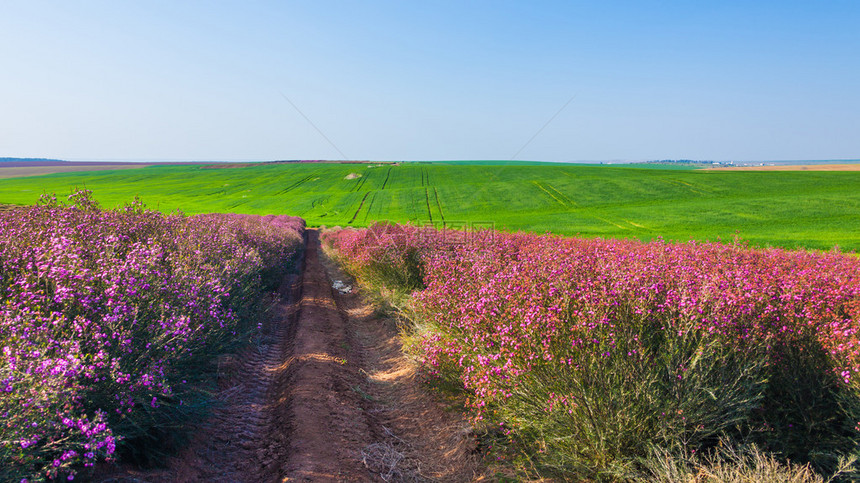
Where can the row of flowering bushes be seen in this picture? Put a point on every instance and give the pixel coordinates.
(108, 318)
(592, 354)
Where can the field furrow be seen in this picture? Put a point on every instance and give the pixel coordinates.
(369, 206)
(296, 184)
(427, 202)
(438, 204)
(387, 174)
(361, 204)
(554, 197)
(561, 195)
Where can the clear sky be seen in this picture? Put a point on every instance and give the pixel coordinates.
(422, 80)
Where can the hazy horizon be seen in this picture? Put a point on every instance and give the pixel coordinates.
(582, 161)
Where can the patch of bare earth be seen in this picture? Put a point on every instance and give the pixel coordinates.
(23, 171)
(356, 410)
(415, 435)
(325, 395)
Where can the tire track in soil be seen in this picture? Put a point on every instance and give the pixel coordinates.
(413, 435)
(353, 404)
(325, 395)
(238, 442)
(327, 426)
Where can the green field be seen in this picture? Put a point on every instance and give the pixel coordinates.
(813, 209)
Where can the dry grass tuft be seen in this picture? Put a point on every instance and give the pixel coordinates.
(732, 465)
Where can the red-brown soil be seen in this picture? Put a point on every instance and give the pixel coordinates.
(264, 163)
(7, 171)
(326, 395)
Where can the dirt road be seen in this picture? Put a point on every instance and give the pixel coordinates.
(325, 395)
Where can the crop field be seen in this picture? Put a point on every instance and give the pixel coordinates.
(811, 209)
(573, 358)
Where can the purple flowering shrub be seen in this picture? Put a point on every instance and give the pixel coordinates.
(108, 316)
(273, 237)
(588, 352)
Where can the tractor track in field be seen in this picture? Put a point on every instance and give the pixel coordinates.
(427, 203)
(438, 204)
(387, 175)
(325, 395)
(360, 206)
(369, 206)
(296, 184)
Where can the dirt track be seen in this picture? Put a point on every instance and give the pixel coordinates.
(326, 395)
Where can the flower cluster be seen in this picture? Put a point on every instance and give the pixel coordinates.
(515, 299)
(104, 313)
(517, 309)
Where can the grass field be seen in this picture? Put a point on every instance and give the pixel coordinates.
(813, 209)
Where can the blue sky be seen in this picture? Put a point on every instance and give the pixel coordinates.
(392, 80)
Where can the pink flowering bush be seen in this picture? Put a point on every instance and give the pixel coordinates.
(588, 352)
(390, 254)
(107, 318)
